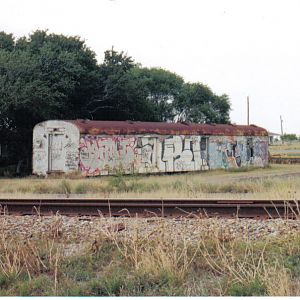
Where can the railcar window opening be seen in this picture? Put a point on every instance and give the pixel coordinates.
(250, 147)
(233, 150)
(139, 142)
(203, 143)
(119, 146)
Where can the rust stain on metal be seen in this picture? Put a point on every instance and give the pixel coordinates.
(126, 127)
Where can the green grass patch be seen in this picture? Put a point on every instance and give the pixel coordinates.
(254, 288)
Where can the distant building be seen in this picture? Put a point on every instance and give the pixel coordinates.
(273, 137)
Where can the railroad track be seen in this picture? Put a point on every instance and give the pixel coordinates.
(152, 207)
(284, 160)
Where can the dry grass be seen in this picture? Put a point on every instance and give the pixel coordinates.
(245, 266)
(276, 182)
(31, 257)
(135, 263)
(287, 150)
(285, 146)
(155, 252)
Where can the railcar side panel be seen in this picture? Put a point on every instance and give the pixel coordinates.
(237, 151)
(102, 155)
(55, 147)
(63, 146)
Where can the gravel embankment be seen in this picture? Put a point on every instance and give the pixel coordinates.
(87, 229)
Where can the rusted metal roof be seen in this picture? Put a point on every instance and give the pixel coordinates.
(130, 127)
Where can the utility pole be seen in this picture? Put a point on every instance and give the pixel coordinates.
(281, 121)
(248, 110)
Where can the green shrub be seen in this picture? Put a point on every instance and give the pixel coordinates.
(289, 137)
(80, 188)
(3, 281)
(65, 187)
(111, 285)
(78, 268)
(226, 188)
(73, 289)
(140, 187)
(118, 183)
(41, 285)
(178, 185)
(254, 288)
(293, 264)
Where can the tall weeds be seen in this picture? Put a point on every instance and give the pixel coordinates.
(32, 257)
(154, 252)
(244, 263)
(157, 260)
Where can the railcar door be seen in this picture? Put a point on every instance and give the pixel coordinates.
(56, 153)
(204, 153)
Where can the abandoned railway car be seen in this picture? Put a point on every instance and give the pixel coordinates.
(106, 147)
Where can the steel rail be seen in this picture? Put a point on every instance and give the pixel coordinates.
(153, 207)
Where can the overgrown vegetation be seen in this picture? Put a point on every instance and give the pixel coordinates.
(289, 149)
(274, 182)
(289, 137)
(156, 263)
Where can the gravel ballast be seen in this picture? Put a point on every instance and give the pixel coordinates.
(87, 229)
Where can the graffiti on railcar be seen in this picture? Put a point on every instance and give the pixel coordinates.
(234, 152)
(180, 153)
(145, 151)
(99, 155)
(64, 146)
(71, 149)
(103, 155)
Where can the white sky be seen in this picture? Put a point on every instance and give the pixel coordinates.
(236, 47)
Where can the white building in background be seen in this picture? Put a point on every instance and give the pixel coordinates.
(273, 137)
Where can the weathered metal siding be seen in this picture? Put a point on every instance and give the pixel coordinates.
(55, 147)
(102, 155)
(234, 152)
(58, 146)
(160, 128)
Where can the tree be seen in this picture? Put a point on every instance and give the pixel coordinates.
(197, 103)
(161, 89)
(45, 76)
(289, 137)
(128, 91)
(6, 41)
(110, 102)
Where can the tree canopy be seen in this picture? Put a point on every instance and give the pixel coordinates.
(50, 76)
(197, 103)
(44, 76)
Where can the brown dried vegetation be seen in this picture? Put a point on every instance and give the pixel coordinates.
(134, 263)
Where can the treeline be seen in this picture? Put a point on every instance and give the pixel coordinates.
(290, 137)
(48, 76)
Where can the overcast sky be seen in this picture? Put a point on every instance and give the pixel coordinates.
(236, 47)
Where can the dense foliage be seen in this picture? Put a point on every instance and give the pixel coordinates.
(49, 76)
(289, 137)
